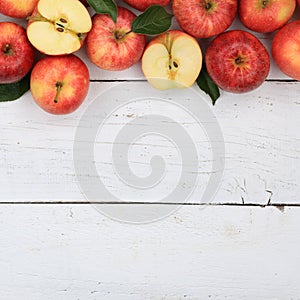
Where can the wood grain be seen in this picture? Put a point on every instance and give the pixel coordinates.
(73, 252)
(262, 142)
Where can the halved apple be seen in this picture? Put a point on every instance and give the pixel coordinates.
(172, 60)
(58, 27)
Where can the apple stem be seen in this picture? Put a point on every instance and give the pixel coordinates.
(7, 50)
(58, 86)
(265, 3)
(37, 17)
(208, 6)
(120, 36)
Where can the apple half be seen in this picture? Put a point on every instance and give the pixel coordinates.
(58, 27)
(172, 60)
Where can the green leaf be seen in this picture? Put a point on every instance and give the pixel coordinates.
(206, 84)
(154, 20)
(13, 91)
(105, 7)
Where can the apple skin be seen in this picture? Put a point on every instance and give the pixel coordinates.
(17, 9)
(204, 18)
(144, 4)
(237, 61)
(16, 53)
(265, 16)
(85, 3)
(109, 47)
(286, 49)
(59, 84)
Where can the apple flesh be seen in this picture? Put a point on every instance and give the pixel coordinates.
(58, 27)
(59, 84)
(237, 61)
(144, 4)
(172, 60)
(266, 15)
(112, 46)
(17, 9)
(16, 53)
(286, 49)
(204, 18)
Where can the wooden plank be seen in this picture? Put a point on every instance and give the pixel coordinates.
(73, 252)
(262, 142)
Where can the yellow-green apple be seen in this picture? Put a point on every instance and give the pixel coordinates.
(204, 18)
(58, 27)
(172, 60)
(16, 53)
(144, 4)
(286, 49)
(266, 15)
(113, 46)
(17, 9)
(59, 84)
(237, 61)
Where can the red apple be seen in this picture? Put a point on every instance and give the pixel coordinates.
(204, 18)
(59, 84)
(17, 9)
(112, 46)
(144, 4)
(286, 49)
(16, 53)
(265, 16)
(85, 3)
(237, 61)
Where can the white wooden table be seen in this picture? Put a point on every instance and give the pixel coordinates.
(243, 243)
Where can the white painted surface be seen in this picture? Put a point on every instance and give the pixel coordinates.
(260, 130)
(73, 252)
(216, 252)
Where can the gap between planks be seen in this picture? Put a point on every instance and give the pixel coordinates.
(280, 206)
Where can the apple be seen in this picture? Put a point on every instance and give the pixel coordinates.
(59, 84)
(267, 15)
(16, 53)
(85, 3)
(286, 49)
(204, 18)
(58, 27)
(237, 61)
(112, 46)
(17, 9)
(172, 60)
(144, 4)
